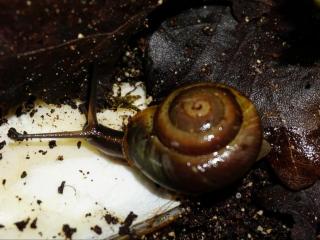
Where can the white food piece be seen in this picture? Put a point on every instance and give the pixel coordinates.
(95, 185)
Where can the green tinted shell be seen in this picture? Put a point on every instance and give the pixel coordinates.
(201, 138)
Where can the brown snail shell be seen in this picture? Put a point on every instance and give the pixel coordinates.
(201, 138)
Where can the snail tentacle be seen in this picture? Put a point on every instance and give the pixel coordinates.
(92, 109)
(106, 139)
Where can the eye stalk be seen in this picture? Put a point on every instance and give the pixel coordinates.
(201, 138)
(105, 139)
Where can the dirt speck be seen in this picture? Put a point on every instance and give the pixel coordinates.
(52, 144)
(68, 231)
(3, 121)
(2, 144)
(61, 187)
(23, 174)
(33, 224)
(125, 227)
(97, 229)
(111, 219)
(21, 225)
(43, 152)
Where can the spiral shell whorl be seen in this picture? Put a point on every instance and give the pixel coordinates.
(198, 119)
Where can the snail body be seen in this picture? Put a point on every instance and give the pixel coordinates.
(202, 137)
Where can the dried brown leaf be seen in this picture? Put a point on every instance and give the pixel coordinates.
(260, 58)
(302, 206)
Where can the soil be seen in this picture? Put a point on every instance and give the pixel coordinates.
(230, 214)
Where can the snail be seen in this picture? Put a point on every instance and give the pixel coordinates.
(201, 138)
